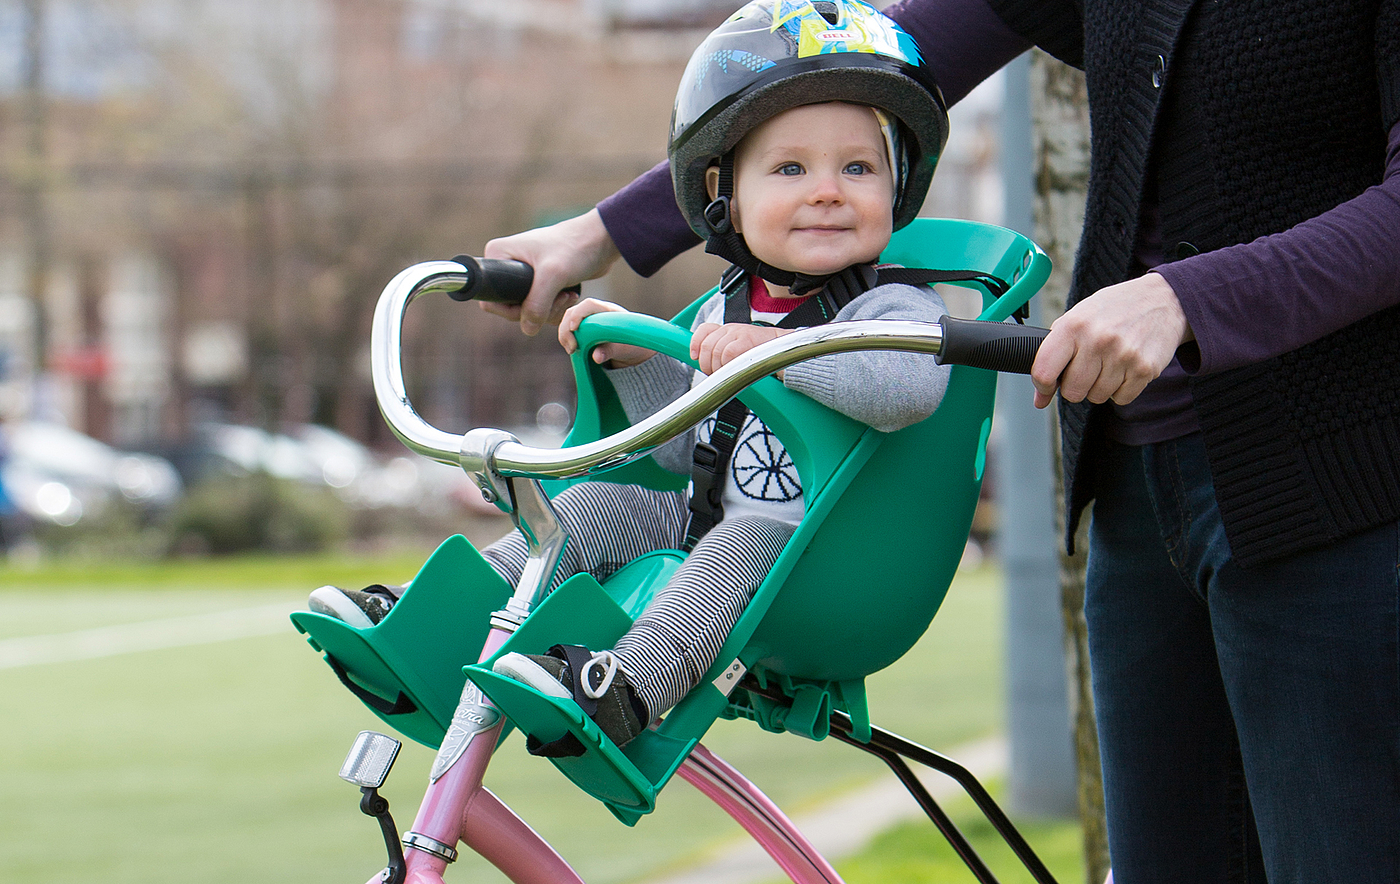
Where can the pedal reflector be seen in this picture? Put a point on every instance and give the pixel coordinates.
(370, 759)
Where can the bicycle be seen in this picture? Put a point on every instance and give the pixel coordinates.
(425, 669)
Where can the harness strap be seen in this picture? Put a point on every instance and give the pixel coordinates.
(924, 276)
(708, 470)
(710, 460)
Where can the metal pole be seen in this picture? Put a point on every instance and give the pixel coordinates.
(1041, 779)
(33, 200)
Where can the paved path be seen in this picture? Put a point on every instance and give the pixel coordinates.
(847, 824)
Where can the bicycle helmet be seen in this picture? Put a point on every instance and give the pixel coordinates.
(773, 55)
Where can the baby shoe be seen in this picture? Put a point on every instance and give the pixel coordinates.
(603, 692)
(358, 607)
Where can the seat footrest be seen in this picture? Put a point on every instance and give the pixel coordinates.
(581, 612)
(409, 666)
(602, 770)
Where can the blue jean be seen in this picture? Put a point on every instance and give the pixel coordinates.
(1249, 718)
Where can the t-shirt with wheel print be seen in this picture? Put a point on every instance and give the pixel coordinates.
(762, 478)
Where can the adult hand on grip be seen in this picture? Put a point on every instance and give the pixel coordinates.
(1112, 344)
(999, 346)
(497, 280)
(563, 255)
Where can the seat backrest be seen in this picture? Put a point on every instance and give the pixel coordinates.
(888, 514)
(874, 570)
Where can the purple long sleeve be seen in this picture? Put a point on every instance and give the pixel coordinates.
(1255, 301)
(645, 223)
(963, 42)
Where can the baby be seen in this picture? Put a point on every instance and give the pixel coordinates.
(782, 164)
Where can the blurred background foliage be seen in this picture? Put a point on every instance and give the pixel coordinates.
(200, 202)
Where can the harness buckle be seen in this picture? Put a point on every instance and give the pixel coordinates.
(706, 494)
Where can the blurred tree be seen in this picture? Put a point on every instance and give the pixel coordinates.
(281, 161)
(1060, 115)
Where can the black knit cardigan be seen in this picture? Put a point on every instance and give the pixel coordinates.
(1243, 118)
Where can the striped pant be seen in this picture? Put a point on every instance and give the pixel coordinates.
(678, 636)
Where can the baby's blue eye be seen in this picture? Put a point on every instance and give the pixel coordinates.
(858, 169)
(790, 169)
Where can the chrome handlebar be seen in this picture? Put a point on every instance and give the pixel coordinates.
(385, 343)
(488, 451)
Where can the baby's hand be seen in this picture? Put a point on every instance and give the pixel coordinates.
(609, 354)
(712, 346)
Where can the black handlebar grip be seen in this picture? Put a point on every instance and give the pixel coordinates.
(499, 280)
(999, 346)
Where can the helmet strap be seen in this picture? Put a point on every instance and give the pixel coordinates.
(729, 244)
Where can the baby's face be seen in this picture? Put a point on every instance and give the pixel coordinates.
(813, 190)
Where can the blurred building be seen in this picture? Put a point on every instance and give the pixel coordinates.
(209, 196)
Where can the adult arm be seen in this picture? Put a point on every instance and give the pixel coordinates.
(1234, 306)
(1252, 302)
(963, 42)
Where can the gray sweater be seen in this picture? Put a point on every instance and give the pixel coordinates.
(887, 389)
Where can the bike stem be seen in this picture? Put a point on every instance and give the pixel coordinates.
(457, 807)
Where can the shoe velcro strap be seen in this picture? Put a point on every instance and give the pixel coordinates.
(577, 657)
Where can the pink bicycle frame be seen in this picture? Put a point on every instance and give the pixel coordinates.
(459, 808)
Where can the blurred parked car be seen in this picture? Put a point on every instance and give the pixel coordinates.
(318, 456)
(358, 476)
(217, 450)
(309, 454)
(57, 475)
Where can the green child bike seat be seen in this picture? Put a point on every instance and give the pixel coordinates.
(859, 582)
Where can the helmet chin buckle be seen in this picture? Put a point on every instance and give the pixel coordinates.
(717, 216)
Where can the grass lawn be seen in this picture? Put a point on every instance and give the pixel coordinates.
(914, 852)
(217, 762)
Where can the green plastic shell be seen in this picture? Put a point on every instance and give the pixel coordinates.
(888, 516)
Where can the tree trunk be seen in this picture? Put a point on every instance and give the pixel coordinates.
(1060, 126)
